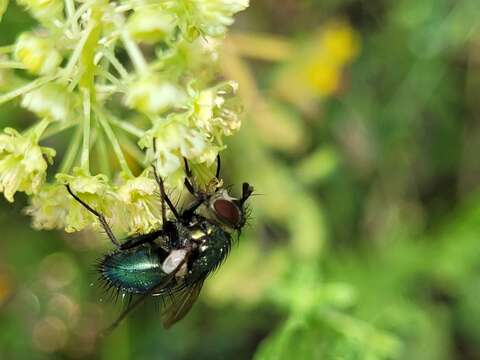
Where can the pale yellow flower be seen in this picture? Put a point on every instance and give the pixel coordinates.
(49, 207)
(213, 16)
(209, 156)
(210, 111)
(190, 58)
(94, 191)
(139, 206)
(23, 163)
(174, 140)
(52, 101)
(150, 24)
(152, 94)
(206, 17)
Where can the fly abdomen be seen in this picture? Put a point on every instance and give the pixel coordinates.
(133, 271)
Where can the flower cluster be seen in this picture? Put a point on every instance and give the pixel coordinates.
(128, 83)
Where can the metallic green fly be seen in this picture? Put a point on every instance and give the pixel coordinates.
(173, 262)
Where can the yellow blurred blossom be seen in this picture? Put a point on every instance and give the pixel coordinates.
(316, 71)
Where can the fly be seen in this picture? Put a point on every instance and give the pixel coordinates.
(173, 262)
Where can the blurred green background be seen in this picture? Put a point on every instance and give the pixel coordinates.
(361, 135)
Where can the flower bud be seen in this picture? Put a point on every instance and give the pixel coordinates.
(151, 94)
(150, 25)
(37, 54)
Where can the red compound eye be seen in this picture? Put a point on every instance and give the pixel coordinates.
(227, 211)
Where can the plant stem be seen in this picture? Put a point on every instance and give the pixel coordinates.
(127, 127)
(70, 9)
(39, 128)
(134, 53)
(79, 12)
(88, 45)
(42, 126)
(116, 64)
(87, 111)
(7, 49)
(71, 152)
(26, 88)
(77, 52)
(54, 130)
(11, 65)
(104, 164)
(114, 142)
(132, 149)
(108, 76)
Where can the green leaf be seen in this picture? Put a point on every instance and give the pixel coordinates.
(295, 340)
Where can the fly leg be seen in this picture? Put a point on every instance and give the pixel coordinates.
(100, 217)
(189, 178)
(200, 197)
(163, 196)
(136, 240)
(217, 173)
(168, 227)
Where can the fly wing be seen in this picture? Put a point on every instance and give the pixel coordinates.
(181, 303)
(159, 285)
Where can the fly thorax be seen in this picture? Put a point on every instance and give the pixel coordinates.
(200, 232)
(211, 250)
(184, 233)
